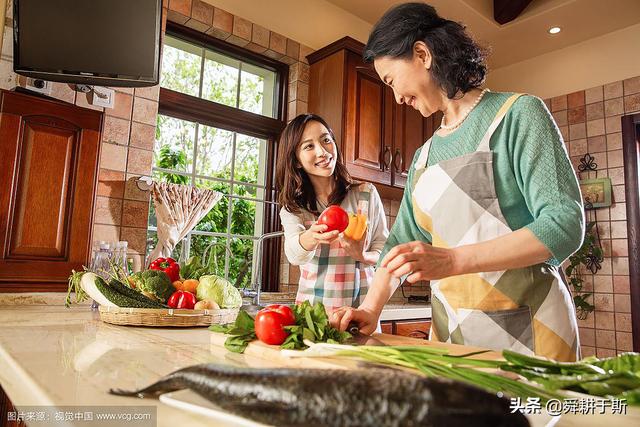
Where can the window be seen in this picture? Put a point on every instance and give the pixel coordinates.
(219, 115)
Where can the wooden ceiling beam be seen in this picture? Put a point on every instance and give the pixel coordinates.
(507, 10)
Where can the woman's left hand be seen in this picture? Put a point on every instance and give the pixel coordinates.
(353, 248)
(421, 261)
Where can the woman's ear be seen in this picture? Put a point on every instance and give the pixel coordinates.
(422, 53)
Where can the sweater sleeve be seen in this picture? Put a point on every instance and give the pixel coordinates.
(378, 221)
(404, 228)
(546, 179)
(293, 228)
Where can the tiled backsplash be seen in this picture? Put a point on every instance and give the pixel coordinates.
(590, 122)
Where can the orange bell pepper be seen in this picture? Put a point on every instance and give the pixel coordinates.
(357, 226)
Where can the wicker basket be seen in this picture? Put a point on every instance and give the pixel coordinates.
(158, 317)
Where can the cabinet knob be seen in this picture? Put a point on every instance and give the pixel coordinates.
(386, 157)
(397, 161)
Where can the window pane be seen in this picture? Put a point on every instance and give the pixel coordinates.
(250, 154)
(220, 81)
(174, 178)
(248, 191)
(181, 63)
(257, 86)
(153, 220)
(174, 144)
(247, 217)
(216, 220)
(211, 251)
(215, 151)
(240, 264)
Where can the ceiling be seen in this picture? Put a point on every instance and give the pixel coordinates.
(526, 36)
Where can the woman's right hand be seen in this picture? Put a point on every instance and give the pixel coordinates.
(367, 320)
(316, 235)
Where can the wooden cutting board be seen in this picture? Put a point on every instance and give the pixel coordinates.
(272, 352)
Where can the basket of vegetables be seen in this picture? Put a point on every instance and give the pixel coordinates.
(159, 296)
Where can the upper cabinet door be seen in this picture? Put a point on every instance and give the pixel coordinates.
(48, 169)
(411, 131)
(368, 136)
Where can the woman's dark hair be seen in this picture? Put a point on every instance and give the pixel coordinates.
(295, 189)
(457, 61)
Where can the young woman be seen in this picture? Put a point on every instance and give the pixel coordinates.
(334, 269)
(491, 207)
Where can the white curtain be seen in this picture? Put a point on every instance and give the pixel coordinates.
(178, 209)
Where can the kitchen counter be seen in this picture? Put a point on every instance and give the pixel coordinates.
(405, 312)
(53, 356)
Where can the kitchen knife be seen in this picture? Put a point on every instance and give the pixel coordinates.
(358, 338)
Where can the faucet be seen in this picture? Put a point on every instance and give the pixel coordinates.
(254, 292)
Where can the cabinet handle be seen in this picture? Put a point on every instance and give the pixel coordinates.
(386, 158)
(398, 159)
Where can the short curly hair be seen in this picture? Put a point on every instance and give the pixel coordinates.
(458, 63)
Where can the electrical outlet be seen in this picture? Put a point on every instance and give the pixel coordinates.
(38, 85)
(102, 97)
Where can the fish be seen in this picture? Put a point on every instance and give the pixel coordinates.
(333, 397)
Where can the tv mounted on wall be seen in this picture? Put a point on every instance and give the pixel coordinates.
(91, 42)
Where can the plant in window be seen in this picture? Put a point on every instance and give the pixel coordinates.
(168, 158)
(588, 257)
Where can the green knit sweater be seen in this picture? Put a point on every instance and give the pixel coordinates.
(535, 183)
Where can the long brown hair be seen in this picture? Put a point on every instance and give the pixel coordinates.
(295, 189)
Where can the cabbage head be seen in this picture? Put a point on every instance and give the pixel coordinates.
(219, 290)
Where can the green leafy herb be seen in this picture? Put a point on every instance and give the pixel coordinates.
(312, 324)
(241, 332)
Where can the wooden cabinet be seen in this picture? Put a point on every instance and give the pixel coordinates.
(377, 136)
(48, 173)
(418, 328)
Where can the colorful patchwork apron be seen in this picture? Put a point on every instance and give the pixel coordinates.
(332, 277)
(529, 309)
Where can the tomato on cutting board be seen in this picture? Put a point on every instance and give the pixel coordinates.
(270, 323)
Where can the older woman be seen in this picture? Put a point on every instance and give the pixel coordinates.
(491, 207)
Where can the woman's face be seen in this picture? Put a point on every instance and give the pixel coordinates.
(410, 80)
(317, 151)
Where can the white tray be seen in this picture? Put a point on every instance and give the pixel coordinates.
(192, 402)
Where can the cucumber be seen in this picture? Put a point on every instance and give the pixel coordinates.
(120, 287)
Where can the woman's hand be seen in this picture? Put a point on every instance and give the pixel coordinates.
(366, 319)
(353, 248)
(421, 261)
(315, 236)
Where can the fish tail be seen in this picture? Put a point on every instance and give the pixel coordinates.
(165, 385)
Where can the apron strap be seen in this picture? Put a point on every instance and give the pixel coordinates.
(484, 143)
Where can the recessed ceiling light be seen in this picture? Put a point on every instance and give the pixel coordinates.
(554, 30)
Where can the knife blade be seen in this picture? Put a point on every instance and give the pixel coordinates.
(358, 338)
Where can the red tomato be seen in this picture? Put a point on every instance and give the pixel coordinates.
(269, 324)
(286, 311)
(335, 218)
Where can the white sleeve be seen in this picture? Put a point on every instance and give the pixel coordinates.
(293, 228)
(377, 221)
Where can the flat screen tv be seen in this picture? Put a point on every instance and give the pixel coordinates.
(92, 42)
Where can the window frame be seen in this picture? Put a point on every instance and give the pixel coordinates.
(187, 107)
